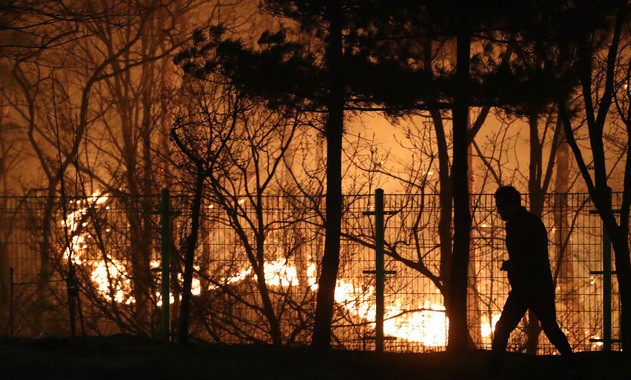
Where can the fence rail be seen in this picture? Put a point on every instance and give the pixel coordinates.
(257, 266)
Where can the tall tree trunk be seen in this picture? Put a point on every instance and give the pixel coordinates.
(445, 195)
(620, 242)
(599, 190)
(268, 307)
(474, 303)
(141, 266)
(533, 328)
(189, 256)
(458, 332)
(333, 224)
(564, 273)
(44, 272)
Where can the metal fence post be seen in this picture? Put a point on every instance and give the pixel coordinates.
(379, 268)
(607, 274)
(380, 272)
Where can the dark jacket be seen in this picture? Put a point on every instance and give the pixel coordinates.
(527, 245)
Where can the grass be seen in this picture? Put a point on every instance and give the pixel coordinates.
(130, 358)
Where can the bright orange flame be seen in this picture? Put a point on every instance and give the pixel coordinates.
(356, 298)
(121, 288)
(278, 273)
(72, 220)
(428, 325)
(488, 327)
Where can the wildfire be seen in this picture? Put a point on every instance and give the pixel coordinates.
(75, 219)
(278, 273)
(358, 299)
(112, 282)
(426, 324)
(487, 327)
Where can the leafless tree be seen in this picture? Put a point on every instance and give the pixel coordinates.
(601, 84)
(237, 147)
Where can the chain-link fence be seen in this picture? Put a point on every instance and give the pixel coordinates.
(257, 265)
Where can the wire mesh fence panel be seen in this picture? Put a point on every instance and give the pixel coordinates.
(257, 264)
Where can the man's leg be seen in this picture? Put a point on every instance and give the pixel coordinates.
(513, 311)
(545, 310)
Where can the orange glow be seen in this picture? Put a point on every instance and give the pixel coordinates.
(78, 240)
(428, 326)
(278, 273)
(357, 298)
(120, 289)
(487, 327)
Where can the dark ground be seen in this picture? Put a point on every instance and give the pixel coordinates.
(129, 358)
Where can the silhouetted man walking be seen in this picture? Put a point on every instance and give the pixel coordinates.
(529, 275)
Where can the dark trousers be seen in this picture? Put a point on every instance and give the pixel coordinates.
(514, 309)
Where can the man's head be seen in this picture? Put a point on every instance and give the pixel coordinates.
(507, 201)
